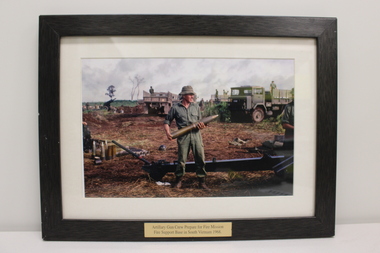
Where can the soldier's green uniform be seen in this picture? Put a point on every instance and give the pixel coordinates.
(192, 140)
(288, 117)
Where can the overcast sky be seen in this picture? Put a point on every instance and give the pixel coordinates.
(205, 75)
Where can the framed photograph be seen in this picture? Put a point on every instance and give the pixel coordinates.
(185, 127)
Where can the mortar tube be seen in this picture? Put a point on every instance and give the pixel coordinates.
(189, 128)
(103, 155)
(113, 151)
(93, 149)
(108, 150)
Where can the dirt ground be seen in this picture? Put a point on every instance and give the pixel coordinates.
(123, 175)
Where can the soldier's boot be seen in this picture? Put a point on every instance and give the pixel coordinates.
(178, 182)
(202, 184)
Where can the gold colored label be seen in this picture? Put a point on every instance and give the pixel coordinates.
(187, 229)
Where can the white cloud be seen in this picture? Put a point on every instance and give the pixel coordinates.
(205, 75)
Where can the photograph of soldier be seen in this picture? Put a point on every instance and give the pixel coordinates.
(133, 158)
(186, 113)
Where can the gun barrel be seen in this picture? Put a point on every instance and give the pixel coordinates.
(132, 153)
(187, 129)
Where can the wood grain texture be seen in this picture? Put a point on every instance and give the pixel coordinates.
(52, 28)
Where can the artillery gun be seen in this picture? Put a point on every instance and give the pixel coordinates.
(107, 105)
(277, 163)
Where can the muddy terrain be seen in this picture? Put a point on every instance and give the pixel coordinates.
(122, 176)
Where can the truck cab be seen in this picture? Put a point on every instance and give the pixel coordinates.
(257, 102)
(245, 99)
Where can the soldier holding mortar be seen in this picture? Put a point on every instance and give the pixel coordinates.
(187, 113)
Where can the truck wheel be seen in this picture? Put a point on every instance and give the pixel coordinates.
(258, 115)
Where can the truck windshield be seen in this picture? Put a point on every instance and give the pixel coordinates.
(234, 92)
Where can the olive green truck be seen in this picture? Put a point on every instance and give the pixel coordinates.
(257, 103)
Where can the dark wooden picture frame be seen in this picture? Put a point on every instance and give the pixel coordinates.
(53, 28)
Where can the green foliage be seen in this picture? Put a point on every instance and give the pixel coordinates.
(116, 103)
(130, 103)
(273, 124)
(221, 109)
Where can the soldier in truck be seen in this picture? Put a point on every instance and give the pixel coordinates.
(272, 87)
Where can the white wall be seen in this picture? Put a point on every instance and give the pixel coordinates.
(358, 37)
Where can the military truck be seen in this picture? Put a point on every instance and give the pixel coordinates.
(257, 103)
(158, 102)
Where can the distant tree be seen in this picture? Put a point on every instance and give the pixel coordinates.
(111, 90)
(136, 81)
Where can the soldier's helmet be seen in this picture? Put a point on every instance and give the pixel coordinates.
(187, 90)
